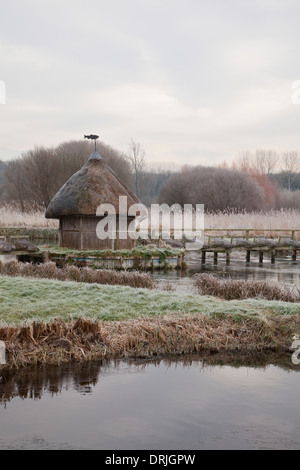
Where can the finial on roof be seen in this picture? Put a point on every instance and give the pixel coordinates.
(92, 137)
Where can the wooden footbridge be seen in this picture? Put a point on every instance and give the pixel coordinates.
(264, 243)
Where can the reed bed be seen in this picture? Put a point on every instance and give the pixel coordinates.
(12, 217)
(287, 219)
(49, 270)
(85, 339)
(239, 289)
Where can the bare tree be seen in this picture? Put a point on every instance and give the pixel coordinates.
(262, 162)
(244, 162)
(290, 164)
(265, 161)
(136, 157)
(35, 177)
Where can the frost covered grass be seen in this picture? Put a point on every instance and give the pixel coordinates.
(51, 322)
(139, 251)
(24, 299)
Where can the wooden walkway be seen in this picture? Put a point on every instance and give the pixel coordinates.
(269, 244)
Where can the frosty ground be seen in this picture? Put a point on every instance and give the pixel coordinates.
(48, 321)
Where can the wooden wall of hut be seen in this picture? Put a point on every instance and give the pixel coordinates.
(79, 233)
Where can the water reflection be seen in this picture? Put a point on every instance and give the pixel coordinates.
(33, 382)
(284, 271)
(195, 403)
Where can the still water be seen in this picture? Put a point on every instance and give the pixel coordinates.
(166, 404)
(284, 271)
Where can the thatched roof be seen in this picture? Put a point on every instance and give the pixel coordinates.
(94, 184)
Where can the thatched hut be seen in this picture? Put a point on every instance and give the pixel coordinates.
(76, 203)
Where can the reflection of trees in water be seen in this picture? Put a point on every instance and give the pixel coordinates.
(31, 383)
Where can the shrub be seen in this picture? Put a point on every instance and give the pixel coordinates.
(73, 273)
(238, 289)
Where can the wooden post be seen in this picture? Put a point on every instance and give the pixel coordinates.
(261, 257)
(215, 257)
(248, 256)
(81, 232)
(294, 255)
(228, 257)
(273, 256)
(60, 232)
(203, 257)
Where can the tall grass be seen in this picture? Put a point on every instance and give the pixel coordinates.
(73, 273)
(238, 289)
(273, 219)
(288, 219)
(12, 217)
(85, 339)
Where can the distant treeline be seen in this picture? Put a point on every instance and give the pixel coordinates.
(30, 181)
(252, 183)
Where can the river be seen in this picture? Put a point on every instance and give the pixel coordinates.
(167, 404)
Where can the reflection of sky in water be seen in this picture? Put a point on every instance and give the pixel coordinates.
(283, 271)
(165, 406)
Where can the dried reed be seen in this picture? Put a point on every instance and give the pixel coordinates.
(265, 220)
(84, 339)
(239, 289)
(12, 217)
(73, 273)
(269, 221)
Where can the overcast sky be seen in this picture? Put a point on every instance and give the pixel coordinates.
(193, 81)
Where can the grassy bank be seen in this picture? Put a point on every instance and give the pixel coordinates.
(139, 251)
(26, 299)
(45, 321)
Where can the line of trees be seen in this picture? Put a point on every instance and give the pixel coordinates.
(32, 180)
(263, 179)
(259, 180)
(276, 173)
(282, 168)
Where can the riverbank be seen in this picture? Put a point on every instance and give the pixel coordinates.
(51, 322)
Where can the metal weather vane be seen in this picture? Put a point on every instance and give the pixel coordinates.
(92, 137)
